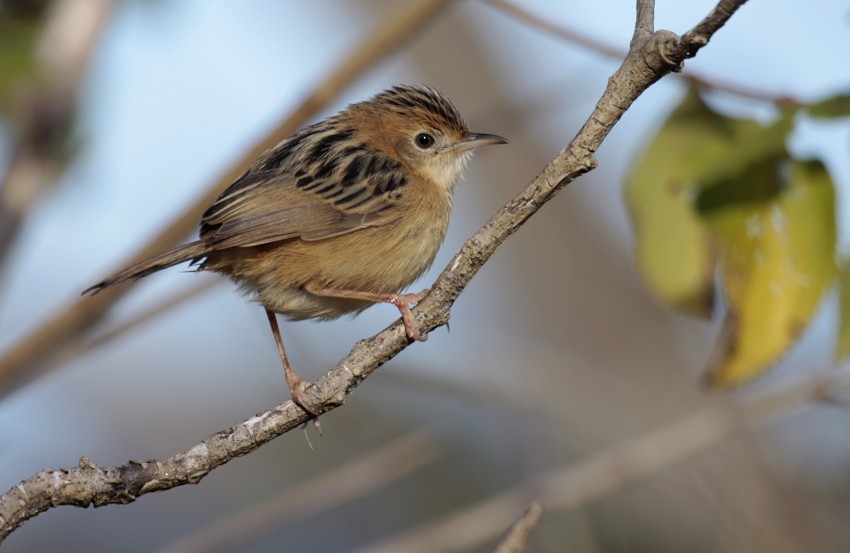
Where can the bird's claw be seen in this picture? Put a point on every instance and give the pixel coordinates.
(403, 303)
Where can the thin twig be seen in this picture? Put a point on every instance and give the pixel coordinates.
(516, 540)
(645, 24)
(24, 361)
(591, 43)
(91, 485)
(700, 34)
(610, 470)
(353, 479)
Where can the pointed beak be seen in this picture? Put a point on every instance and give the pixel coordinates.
(476, 140)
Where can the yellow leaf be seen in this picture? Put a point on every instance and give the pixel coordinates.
(776, 262)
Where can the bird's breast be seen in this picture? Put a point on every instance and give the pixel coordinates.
(378, 259)
(383, 259)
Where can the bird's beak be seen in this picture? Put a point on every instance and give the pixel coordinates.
(476, 140)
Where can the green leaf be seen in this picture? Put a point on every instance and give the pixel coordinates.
(777, 260)
(837, 106)
(692, 157)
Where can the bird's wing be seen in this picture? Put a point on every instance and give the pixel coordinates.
(334, 197)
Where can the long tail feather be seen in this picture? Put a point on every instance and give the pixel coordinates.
(186, 252)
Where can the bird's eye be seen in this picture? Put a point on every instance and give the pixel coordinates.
(424, 140)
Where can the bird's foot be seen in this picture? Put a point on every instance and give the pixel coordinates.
(403, 303)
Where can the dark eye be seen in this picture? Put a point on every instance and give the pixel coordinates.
(424, 140)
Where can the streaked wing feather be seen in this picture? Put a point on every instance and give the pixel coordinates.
(326, 200)
(327, 179)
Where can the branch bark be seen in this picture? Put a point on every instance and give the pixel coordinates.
(652, 55)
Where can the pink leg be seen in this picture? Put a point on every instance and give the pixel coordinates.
(401, 301)
(297, 386)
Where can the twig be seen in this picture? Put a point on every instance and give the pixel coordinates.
(645, 24)
(88, 484)
(26, 358)
(608, 471)
(596, 45)
(516, 539)
(699, 36)
(353, 479)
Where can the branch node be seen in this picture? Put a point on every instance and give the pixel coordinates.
(665, 44)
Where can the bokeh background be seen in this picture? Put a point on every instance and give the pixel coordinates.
(556, 351)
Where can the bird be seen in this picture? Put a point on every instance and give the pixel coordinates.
(343, 214)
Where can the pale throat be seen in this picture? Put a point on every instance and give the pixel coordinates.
(446, 169)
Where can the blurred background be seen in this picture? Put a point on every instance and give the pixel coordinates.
(557, 353)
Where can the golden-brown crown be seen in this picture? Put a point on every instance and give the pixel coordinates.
(425, 102)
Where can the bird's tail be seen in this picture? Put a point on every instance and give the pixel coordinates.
(186, 252)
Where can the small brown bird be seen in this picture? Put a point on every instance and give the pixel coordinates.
(343, 214)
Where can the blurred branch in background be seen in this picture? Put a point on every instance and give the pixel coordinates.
(652, 55)
(42, 106)
(516, 540)
(352, 480)
(571, 35)
(26, 360)
(589, 42)
(91, 342)
(617, 467)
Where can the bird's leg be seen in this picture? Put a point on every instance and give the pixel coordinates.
(297, 386)
(401, 301)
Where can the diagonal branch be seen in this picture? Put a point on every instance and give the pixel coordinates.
(27, 359)
(647, 61)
